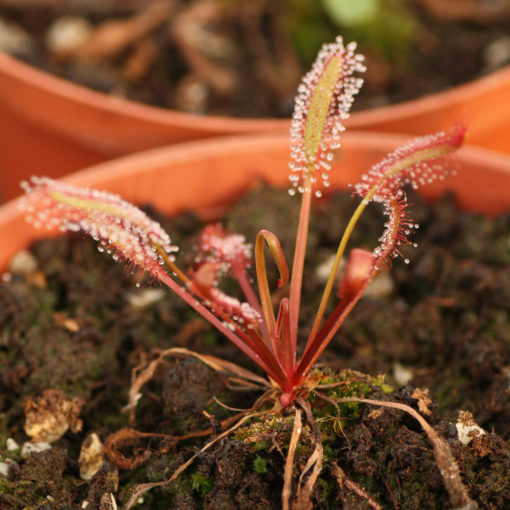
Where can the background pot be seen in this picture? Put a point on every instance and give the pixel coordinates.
(54, 127)
(206, 176)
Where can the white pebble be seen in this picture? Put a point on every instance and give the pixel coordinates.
(22, 262)
(381, 286)
(28, 448)
(67, 33)
(11, 444)
(4, 469)
(145, 298)
(14, 39)
(467, 429)
(91, 457)
(497, 53)
(467, 432)
(402, 374)
(324, 269)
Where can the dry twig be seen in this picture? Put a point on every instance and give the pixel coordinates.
(343, 481)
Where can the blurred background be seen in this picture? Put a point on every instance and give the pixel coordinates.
(245, 58)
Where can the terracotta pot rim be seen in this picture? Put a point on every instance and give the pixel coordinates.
(197, 149)
(71, 91)
(236, 162)
(431, 102)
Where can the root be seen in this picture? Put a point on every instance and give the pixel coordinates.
(238, 376)
(313, 466)
(289, 463)
(447, 465)
(343, 481)
(127, 436)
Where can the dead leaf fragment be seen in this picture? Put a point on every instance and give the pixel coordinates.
(467, 428)
(48, 417)
(65, 322)
(424, 400)
(111, 38)
(92, 456)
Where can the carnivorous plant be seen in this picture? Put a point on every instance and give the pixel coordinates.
(268, 339)
(264, 333)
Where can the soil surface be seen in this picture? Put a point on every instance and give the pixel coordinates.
(246, 58)
(74, 325)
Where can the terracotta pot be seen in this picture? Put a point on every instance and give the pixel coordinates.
(52, 126)
(208, 175)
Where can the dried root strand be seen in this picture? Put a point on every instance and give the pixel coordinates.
(289, 463)
(343, 481)
(313, 466)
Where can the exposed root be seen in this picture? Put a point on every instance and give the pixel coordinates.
(343, 481)
(302, 500)
(289, 463)
(127, 436)
(313, 467)
(448, 467)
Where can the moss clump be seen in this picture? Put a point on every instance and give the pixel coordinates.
(42, 481)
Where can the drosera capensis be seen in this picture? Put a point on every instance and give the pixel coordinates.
(265, 333)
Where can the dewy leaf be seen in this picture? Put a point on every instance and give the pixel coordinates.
(320, 105)
(418, 162)
(118, 226)
(323, 102)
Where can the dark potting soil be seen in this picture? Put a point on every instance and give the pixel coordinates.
(246, 58)
(75, 324)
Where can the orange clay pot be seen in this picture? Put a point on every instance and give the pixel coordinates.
(208, 175)
(53, 126)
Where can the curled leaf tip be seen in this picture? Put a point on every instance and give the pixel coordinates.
(421, 161)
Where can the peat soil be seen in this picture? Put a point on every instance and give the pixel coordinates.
(246, 58)
(73, 326)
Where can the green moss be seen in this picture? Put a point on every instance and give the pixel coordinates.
(259, 465)
(201, 484)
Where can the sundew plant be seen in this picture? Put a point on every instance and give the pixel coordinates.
(265, 333)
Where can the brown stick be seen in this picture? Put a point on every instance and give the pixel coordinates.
(342, 480)
(303, 500)
(289, 463)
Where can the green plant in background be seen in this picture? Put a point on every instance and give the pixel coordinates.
(386, 28)
(383, 27)
(352, 12)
